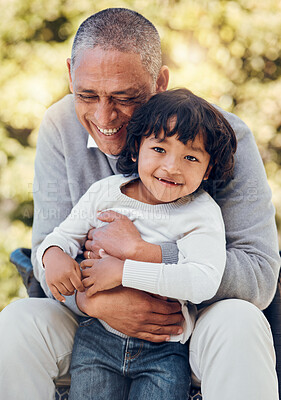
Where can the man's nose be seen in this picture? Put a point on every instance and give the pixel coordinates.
(105, 113)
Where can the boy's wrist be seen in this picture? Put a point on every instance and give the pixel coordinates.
(49, 253)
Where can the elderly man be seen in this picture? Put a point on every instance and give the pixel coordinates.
(116, 66)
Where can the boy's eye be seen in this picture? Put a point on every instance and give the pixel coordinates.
(159, 149)
(190, 158)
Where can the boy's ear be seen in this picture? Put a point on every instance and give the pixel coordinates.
(134, 159)
(207, 173)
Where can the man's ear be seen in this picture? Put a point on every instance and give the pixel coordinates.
(207, 173)
(163, 79)
(68, 63)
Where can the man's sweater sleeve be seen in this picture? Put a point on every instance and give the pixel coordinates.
(253, 260)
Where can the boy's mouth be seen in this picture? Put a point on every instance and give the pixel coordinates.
(168, 181)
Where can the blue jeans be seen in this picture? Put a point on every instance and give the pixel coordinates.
(105, 366)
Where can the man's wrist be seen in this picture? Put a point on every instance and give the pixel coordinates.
(147, 252)
(80, 301)
(85, 304)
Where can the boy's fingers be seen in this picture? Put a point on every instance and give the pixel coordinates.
(86, 272)
(57, 294)
(77, 283)
(66, 288)
(91, 291)
(87, 263)
(87, 282)
(109, 216)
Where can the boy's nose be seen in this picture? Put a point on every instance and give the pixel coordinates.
(172, 165)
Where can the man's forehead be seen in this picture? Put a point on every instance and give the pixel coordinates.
(98, 69)
(98, 55)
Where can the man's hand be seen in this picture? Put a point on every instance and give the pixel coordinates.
(62, 273)
(134, 313)
(104, 274)
(121, 239)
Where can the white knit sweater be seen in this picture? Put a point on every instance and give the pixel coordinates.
(194, 223)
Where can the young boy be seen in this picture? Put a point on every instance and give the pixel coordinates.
(177, 144)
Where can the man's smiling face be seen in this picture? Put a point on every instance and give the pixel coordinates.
(108, 86)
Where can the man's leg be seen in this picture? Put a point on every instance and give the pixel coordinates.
(36, 339)
(232, 354)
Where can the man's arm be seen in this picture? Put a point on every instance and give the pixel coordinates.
(253, 260)
(51, 195)
(134, 313)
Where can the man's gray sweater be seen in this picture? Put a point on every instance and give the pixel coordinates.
(65, 168)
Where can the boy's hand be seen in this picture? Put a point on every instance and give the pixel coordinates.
(103, 274)
(62, 273)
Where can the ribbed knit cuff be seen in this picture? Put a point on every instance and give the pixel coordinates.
(170, 253)
(142, 276)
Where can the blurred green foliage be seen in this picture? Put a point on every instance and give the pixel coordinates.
(226, 51)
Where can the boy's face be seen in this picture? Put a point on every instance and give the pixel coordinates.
(170, 169)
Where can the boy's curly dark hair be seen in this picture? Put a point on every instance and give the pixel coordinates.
(193, 115)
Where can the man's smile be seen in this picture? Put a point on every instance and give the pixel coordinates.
(109, 132)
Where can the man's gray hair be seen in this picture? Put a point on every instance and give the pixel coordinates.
(122, 30)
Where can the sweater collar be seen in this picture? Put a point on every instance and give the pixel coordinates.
(92, 144)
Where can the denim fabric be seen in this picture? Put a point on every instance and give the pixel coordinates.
(106, 366)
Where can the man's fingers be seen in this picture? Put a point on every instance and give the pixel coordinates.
(167, 319)
(90, 254)
(164, 307)
(153, 338)
(109, 216)
(164, 329)
(90, 233)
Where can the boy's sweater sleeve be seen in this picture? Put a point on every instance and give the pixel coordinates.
(71, 234)
(202, 255)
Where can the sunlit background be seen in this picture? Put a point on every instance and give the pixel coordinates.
(226, 51)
